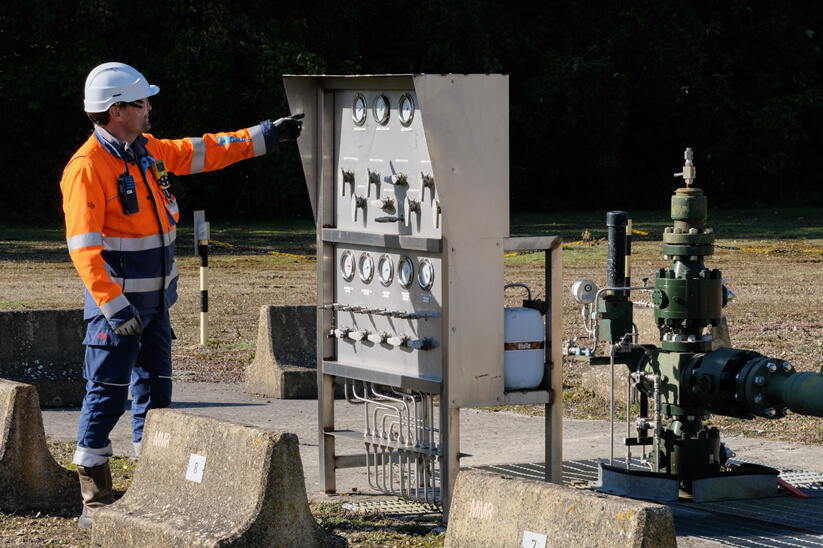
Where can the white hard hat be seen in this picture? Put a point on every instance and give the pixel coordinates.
(115, 82)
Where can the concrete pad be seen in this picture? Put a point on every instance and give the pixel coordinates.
(44, 348)
(490, 510)
(285, 362)
(208, 482)
(30, 479)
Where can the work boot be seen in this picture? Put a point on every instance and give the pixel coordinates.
(95, 487)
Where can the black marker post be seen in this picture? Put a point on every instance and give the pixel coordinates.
(201, 249)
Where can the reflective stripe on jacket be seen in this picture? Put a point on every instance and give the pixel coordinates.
(128, 260)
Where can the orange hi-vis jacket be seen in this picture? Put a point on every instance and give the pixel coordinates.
(126, 261)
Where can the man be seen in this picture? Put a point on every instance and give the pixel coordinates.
(121, 217)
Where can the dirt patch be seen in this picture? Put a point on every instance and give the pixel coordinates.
(777, 284)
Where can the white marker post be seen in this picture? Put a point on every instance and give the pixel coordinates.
(201, 249)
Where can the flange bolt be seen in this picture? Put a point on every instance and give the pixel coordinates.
(771, 367)
(770, 412)
(787, 367)
(760, 380)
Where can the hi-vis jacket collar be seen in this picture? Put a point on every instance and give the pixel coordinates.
(121, 149)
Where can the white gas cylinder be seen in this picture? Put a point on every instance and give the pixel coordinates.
(523, 337)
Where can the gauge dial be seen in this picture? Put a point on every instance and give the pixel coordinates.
(406, 109)
(347, 266)
(359, 109)
(366, 268)
(405, 272)
(385, 269)
(381, 109)
(426, 276)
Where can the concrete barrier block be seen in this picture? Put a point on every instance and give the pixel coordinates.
(489, 510)
(30, 479)
(285, 362)
(206, 482)
(44, 348)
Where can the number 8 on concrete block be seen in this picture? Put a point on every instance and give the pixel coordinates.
(196, 465)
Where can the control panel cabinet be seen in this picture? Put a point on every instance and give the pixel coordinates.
(408, 179)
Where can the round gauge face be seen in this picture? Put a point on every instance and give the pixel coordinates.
(385, 268)
(381, 109)
(426, 276)
(406, 109)
(347, 266)
(366, 268)
(359, 109)
(405, 272)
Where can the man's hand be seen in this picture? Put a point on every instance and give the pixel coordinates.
(288, 129)
(132, 327)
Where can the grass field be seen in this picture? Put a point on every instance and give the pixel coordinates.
(772, 258)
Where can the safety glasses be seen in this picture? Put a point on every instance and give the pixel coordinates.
(136, 104)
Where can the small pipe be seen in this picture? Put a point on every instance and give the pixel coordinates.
(658, 423)
(611, 407)
(628, 421)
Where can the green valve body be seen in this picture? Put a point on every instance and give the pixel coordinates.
(687, 296)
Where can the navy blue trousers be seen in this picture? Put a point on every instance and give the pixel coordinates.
(113, 364)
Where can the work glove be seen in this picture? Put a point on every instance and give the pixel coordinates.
(176, 186)
(288, 129)
(131, 327)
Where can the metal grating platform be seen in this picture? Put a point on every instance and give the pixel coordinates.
(396, 507)
(783, 521)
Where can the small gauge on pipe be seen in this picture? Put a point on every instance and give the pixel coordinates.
(426, 276)
(405, 272)
(381, 109)
(366, 268)
(385, 268)
(347, 266)
(406, 109)
(359, 109)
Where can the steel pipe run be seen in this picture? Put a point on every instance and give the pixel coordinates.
(745, 384)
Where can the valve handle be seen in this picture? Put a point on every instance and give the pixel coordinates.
(357, 202)
(377, 338)
(420, 344)
(374, 179)
(398, 340)
(426, 181)
(348, 178)
(412, 206)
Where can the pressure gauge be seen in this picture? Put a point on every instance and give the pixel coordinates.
(366, 268)
(359, 109)
(426, 276)
(385, 268)
(406, 109)
(381, 109)
(405, 272)
(347, 267)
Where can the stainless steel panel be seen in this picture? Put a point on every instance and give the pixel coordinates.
(431, 386)
(473, 316)
(466, 123)
(376, 297)
(385, 152)
(528, 243)
(302, 95)
(382, 240)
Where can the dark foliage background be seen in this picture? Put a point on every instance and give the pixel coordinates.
(604, 95)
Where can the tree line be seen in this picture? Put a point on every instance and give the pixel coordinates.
(604, 96)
